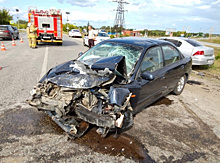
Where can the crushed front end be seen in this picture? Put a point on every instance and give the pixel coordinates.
(75, 95)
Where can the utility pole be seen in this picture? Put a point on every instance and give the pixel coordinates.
(210, 33)
(188, 30)
(67, 13)
(17, 10)
(119, 18)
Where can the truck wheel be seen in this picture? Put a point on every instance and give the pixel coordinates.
(59, 43)
(180, 86)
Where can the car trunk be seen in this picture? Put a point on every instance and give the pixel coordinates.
(4, 30)
(207, 50)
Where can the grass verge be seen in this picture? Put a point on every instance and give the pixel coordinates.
(212, 40)
(213, 69)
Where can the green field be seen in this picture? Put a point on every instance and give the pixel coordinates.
(212, 40)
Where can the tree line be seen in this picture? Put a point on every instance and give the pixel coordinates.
(5, 19)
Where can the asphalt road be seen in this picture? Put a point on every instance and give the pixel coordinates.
(183, 128)
(22, 67)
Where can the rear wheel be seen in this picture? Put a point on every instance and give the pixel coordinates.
(180, 85)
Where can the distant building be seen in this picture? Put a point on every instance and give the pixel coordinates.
(132, 33)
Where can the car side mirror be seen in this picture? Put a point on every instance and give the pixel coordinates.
(80, 54)
(147, 76)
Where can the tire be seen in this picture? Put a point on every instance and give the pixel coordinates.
(180, 85)
(59, 43)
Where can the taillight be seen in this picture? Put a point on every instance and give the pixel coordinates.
(7, 31)
(198, 53)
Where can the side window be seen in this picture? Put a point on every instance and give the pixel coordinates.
(175, 42)
(153, 60)
(171, 55)
(10, 28)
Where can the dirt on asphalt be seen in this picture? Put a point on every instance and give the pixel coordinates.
(184, 128)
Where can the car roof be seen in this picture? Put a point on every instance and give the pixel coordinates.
(175, 38)
(140, 41)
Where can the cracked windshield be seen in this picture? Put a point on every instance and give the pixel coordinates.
(131, 53)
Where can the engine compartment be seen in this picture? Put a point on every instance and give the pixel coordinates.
(107, 107)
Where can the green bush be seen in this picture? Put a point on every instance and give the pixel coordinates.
(112, 36)
(217, 57)
(71, 26)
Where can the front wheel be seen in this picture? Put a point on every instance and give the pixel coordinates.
(180, 86)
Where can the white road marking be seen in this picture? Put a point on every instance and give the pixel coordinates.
(44, 66)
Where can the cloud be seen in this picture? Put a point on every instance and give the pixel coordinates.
(204, 7)
(88, 16)
(12, 11)
(81, 3)
(183, 2)
(61, 1)
(216, 2)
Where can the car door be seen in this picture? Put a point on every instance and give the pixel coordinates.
(15, 32)
(186, 49)
(174, 67)
(151, 90)
(13, 35)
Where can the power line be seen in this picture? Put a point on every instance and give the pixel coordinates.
(119, 18)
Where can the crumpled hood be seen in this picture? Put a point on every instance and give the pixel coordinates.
(75, 74)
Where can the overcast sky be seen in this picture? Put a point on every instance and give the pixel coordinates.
(189, 15)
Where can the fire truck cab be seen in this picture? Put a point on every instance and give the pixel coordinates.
(49, 24)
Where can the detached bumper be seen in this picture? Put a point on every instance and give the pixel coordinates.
(93, 118)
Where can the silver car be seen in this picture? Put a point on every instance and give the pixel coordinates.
(75, 33)
(101, 36)
(201, 55)
(8, 32)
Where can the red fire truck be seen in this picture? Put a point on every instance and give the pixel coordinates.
(49, 24)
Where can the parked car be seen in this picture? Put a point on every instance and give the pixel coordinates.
(16, 32)
(201, 55)
(75, 33)
(110, 83)
(8, 32)
(101, 36)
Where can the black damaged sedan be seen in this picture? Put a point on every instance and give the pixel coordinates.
(110, 83)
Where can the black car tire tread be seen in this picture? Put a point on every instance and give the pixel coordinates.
(176, 91)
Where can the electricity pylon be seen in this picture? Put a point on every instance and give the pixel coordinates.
(119, 18)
